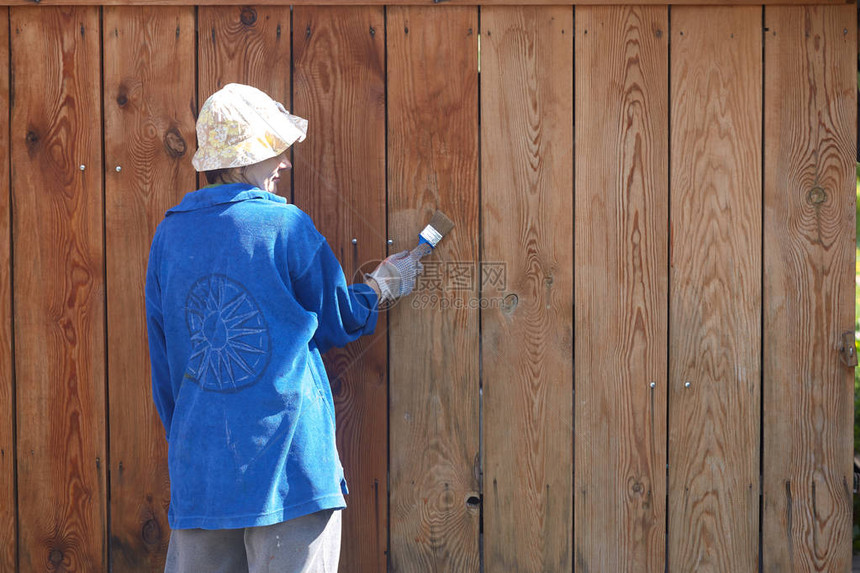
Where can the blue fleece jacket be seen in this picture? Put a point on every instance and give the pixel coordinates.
(242, 296)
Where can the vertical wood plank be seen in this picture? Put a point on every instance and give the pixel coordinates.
(8, 520)
(149, 133)
(527, 224)
(59, 288)
(247, 45)
(434, 392)
(715, 308)
(810, 142)
(339, 83)
(622, 209)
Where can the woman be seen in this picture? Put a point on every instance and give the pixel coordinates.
(243, 295)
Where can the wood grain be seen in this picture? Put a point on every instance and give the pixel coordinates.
(622, 275)
(715, 307)
(59, 288)
(247, 45)
(810, 142)
(434, 375)
(527, 225)
(339, 170)
(8, 519)
(149, 97)
(426, 3)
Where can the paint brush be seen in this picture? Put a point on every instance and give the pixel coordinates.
(439, 226)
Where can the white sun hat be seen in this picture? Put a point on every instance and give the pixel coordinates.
(241, 125)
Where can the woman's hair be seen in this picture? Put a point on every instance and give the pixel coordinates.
(215, 175)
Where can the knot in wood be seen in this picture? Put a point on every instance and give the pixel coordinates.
(248, 16)
(151, 532)
(637, 487)
(55, 556)
(121, 99)
(817, 195)
(511, 301)
(174, 143)
(32, 138)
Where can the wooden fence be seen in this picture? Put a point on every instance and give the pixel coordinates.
(662, 197)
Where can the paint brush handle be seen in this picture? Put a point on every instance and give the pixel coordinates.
(422, 250)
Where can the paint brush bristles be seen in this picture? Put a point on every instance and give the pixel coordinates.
(439, 226)
(441, 223)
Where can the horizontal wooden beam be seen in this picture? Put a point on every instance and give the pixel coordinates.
(417, 2)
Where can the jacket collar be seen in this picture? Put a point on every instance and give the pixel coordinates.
(221, 194)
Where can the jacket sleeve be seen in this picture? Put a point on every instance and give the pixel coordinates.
(162, 393)
(344, 313)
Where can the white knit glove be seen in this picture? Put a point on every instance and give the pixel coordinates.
(396, 275)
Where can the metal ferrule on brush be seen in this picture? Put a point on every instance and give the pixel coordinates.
(430, 236)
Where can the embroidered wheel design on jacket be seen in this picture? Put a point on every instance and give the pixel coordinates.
(230, 346)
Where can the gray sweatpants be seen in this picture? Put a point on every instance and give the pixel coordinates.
(308, 544)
